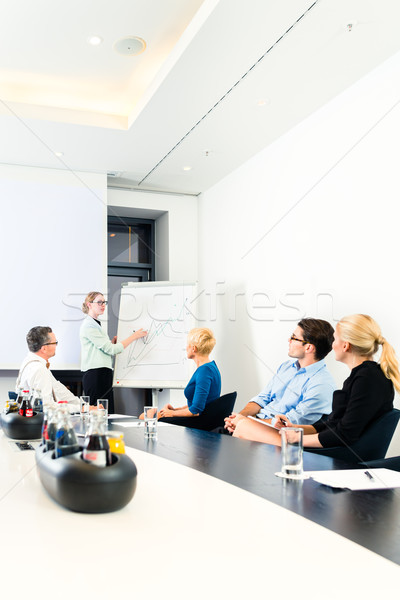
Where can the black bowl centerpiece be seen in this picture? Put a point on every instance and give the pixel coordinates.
(17, 427)
(83, 487)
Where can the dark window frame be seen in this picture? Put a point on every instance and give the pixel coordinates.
(134, 269)
(146, 271)
(130, 271)
(123, 271)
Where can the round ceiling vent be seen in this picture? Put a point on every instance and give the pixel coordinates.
(130, 46)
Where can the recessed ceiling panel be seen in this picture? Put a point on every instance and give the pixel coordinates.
(47, 60)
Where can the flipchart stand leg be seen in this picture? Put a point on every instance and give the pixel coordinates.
(154, 397)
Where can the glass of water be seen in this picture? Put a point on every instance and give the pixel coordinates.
(102, 409)
(84, 406)
(150, 422)
(292, 452)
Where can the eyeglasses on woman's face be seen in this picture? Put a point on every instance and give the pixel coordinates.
(100, 302)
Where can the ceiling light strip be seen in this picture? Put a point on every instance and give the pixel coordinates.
(230, 90)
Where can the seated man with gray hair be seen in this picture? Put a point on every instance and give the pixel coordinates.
(35, 372)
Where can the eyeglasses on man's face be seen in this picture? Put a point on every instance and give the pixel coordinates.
(293, 338)
(100, 302)
(50, 343)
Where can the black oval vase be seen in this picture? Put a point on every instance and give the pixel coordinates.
(83, 487)
(22, 428)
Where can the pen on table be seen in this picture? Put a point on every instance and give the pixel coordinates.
(368, 474)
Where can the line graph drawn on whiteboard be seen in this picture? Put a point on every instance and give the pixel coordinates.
(166, 311)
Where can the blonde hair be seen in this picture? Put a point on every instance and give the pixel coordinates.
(89, 298)
(365, 337)
(203, 339)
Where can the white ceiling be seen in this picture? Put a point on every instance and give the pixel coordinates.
(218, 81)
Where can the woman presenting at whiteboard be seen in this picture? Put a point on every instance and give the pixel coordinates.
(205, 384)
(97, 351)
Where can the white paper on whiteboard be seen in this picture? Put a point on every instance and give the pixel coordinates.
(167, 312)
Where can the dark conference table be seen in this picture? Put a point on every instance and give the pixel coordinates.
(369, 518)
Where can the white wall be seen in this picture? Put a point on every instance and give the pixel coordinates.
(46, 263)
(176, 240)
(308, 227)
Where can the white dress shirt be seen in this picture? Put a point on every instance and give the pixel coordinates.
(34, 374)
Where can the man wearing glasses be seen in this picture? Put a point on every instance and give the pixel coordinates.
(302, 388)
(35, 373)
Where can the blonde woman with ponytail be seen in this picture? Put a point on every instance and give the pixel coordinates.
(366, 395)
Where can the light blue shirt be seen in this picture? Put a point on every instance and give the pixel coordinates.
(302, 394)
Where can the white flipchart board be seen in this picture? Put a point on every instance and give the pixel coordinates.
(166, 311)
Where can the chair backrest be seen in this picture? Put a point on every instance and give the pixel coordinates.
(392, 463)
(215, 412)
(212, 416)
(373, 443)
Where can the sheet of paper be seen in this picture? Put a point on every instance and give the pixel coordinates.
(130, 424)
(139, 424)
(357, 479)
(117, 416)
(264, 423)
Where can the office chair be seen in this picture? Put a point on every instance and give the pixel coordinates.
(212, 416)
(392, 463)
(372, 445)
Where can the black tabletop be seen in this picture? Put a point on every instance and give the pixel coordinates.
(369, 518)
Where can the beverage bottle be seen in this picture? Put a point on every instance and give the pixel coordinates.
(37, 402)
(25, 409)
(97, 449)
(51, 429)
(65, 442)
(20, 394)
(116, 443)
(47, 414)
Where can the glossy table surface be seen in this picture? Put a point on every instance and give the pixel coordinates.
(370, 518)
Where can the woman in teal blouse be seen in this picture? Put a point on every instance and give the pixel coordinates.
(205, 384)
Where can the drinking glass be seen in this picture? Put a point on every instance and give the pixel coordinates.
(102, 408)
(84, 406)
(292, 452)
(150, 422)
